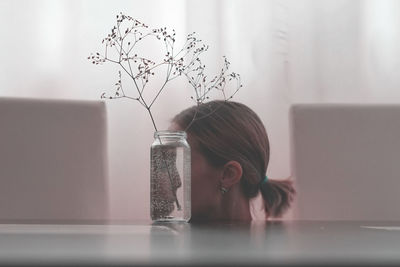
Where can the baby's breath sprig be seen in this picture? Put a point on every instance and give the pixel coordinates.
(120, 48)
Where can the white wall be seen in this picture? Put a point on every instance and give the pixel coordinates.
(286, 51)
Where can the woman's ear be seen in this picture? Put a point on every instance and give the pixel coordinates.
(231, 174)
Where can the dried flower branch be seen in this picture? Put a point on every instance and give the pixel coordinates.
(120, 48)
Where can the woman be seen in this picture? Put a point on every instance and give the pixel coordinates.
(230, 155)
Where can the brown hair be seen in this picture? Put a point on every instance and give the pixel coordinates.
(227, 130)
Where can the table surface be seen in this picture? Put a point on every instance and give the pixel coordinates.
(174, 244)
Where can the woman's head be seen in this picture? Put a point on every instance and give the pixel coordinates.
(229, 140)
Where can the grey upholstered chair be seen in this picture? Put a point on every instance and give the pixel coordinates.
(53, 161)
(346, 161)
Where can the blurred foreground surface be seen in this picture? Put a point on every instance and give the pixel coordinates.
(295, 243)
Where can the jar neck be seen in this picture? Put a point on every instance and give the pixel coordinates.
(170, 135)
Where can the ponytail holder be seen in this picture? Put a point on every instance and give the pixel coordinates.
(265, 180)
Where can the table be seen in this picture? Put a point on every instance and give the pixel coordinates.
(290, 243)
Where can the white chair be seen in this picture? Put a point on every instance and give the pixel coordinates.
(53, 161)
(346, 161)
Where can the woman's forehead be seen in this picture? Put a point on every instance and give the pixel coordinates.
(174, 127)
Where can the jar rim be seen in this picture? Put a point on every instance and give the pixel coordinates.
(170, 133)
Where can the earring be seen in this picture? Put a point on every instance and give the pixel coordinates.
(223, 190)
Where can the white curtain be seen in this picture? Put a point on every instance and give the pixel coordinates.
(286, 52)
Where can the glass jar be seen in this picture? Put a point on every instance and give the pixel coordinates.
(170, 177)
